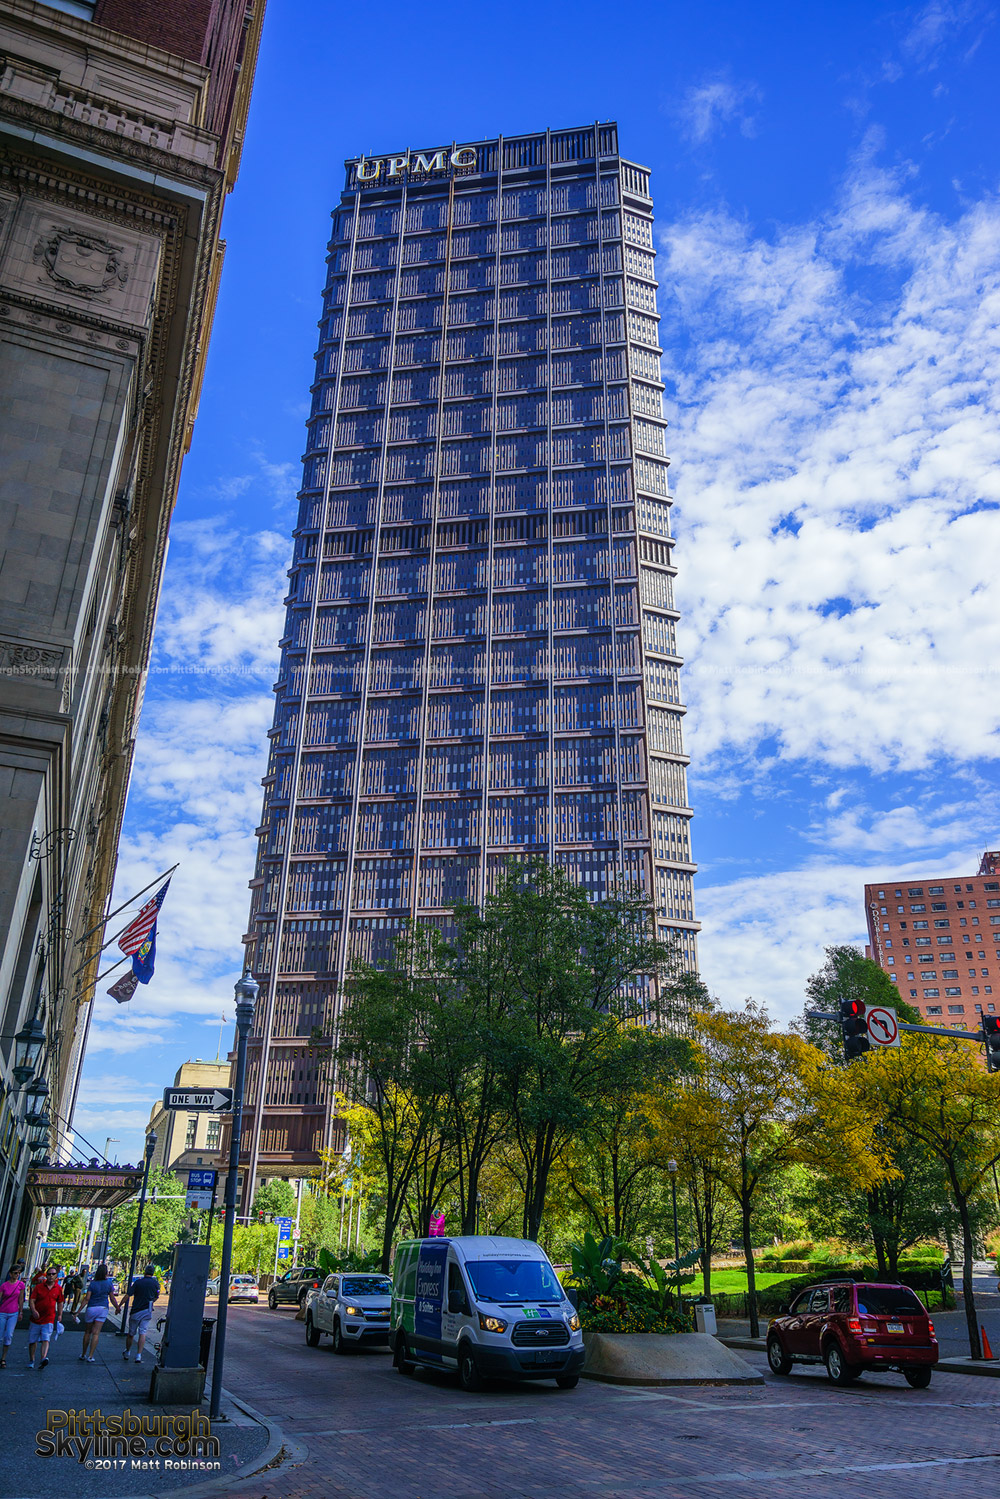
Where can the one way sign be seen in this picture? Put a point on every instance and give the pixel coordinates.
(211, 1100)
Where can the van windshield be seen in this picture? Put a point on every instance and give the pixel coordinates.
(514, 1280)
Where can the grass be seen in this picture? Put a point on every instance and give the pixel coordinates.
(734, 1281)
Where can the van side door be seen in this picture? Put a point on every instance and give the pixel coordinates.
(429, 1299)
(456, 1311)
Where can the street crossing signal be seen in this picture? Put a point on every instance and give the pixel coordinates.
(854, 1025)
(991, 1035)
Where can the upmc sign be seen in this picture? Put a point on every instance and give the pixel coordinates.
(393, 168)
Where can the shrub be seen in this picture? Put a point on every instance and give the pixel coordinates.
(799, 1249)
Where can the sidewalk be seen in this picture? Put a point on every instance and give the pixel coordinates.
(112, 1387)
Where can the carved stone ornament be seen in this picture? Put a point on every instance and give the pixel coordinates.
(29, 661)
(81, 262)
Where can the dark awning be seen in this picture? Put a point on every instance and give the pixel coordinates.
(83, 1186)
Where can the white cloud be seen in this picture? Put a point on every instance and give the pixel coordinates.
(837, 417)
(705, 108)
(195, 796)
(762, 936)
(938, 24)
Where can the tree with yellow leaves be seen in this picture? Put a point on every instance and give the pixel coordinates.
(937, 1092)
(763, 1101)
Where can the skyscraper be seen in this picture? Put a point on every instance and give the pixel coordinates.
(479, 660)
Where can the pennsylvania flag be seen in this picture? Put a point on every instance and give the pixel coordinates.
(138, 940)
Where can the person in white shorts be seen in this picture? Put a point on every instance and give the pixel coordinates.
(101, 1291)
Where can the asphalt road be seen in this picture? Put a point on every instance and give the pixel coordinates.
(358, 1430)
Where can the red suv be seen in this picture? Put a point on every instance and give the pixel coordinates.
(851, 1326)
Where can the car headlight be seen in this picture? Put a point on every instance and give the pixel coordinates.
(574, 1322)
(354, 1311)
(492, 1324)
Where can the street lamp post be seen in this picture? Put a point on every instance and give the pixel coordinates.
(137, 1231)
(246, 997)
(672, 1168)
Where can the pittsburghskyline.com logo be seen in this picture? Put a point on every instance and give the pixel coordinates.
(152, 1440)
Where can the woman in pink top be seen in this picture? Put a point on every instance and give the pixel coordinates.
(11, 1303)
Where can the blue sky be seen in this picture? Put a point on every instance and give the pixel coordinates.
(825, 180)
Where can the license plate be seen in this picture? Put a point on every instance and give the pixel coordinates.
(894, 1327)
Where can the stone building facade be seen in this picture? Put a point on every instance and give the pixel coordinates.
(121, 124)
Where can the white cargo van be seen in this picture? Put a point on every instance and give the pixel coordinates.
(488, 1307)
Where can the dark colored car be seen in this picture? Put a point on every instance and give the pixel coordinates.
(294, 1286)
(851, 1326)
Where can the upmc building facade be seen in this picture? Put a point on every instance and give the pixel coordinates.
(479, 660)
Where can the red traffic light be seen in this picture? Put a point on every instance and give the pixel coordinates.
(854, 1007)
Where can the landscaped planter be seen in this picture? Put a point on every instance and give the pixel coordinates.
(656, 1358)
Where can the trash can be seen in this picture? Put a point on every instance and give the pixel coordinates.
(704, 1318)
(207, 1323)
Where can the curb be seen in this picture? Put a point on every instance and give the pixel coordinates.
(988, 1368)
(277, 1444)
(758, 1345)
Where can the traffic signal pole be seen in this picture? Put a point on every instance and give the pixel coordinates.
(923, 1030)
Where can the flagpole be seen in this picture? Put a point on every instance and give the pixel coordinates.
(112, 914)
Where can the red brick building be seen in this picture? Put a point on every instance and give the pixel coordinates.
(938, 939)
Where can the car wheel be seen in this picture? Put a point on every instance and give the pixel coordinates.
(917, 1379)
(469, 1376)
(339, 1344)
(404, 1364)
(840, 1371)
(567, 1381)
(272, 1301)
(777, 1358)
(312, 1333)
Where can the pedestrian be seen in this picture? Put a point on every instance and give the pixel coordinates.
(45, 1301)
(102, 1290)
(143, 1291)
(73, 1288)
(11, 1305)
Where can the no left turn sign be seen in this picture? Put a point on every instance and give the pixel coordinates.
(883, 1027)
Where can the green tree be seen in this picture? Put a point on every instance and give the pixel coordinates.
(580, 976)
(611, 1165)
(68, 1227)
(275, 1199)
(846, 974)
(161, 1220)
(901, 1209)
(383, 1067)
(768, 1101)
(937, 1093)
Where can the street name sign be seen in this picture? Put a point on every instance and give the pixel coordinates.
(210, 1100)
(883, 1027)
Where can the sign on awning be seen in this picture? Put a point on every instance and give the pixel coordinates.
(82, 1186)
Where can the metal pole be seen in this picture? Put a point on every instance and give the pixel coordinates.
(672, 1168)
(137, 1232)
(246, 997)
(211, 1211)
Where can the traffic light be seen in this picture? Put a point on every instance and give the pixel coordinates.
(854, 1027)
(991, 1035)
(260, 1215)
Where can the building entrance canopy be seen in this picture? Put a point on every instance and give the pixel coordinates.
(83, 1187)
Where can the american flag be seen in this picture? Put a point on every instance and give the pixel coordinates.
(138, 930)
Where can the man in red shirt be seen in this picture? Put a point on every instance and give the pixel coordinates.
(46, 1297)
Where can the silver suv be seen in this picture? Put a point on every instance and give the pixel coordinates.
(353, 1308)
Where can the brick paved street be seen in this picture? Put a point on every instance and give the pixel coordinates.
(370, 1433)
